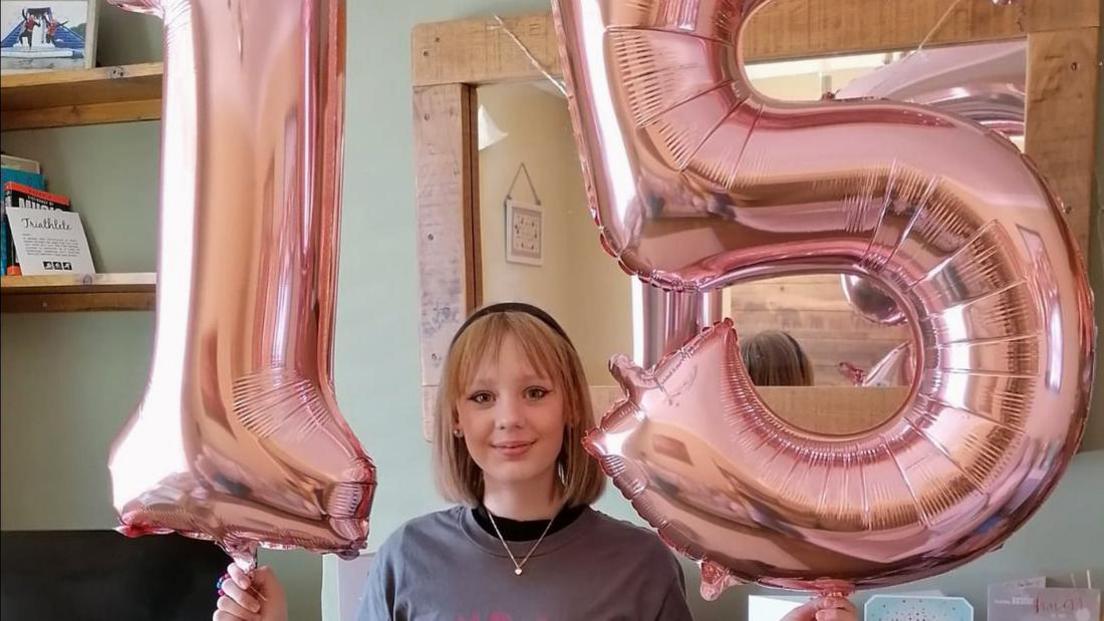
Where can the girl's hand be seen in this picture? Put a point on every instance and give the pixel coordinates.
(250, 597)
(825, 609)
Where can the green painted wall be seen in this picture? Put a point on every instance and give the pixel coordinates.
(69, 381)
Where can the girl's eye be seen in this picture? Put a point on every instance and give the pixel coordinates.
(535, 393)
(481, 398)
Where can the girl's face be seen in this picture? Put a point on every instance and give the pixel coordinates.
(512, 418)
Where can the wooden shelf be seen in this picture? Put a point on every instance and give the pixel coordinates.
(89, 292)
(80, 97)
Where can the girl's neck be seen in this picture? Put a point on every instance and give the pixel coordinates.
(523, 501)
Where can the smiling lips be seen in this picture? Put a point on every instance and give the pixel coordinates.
(513, 448)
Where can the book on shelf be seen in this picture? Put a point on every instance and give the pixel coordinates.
(20, 163)
(29, 179)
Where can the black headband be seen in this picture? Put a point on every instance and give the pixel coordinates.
(513, 307)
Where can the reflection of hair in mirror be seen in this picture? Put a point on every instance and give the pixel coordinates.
(774, 358)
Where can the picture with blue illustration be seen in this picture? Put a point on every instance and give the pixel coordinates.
(47, 35)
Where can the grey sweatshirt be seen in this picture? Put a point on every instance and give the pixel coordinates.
(443, 566)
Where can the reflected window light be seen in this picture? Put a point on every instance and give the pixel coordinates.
(489, 131)
(637, 291)
(825, 65)
(670, 447)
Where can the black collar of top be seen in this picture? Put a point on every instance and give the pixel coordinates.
(513, 307)
(525, 530)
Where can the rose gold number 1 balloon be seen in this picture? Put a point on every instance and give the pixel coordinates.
(238, 437)
(698, 182)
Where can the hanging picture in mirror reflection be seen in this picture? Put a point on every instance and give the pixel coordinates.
(524, 232)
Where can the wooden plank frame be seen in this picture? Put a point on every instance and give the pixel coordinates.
(449, 59)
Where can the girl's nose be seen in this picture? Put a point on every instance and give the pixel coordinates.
(508, 413)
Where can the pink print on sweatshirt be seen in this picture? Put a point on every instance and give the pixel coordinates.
(494, 616)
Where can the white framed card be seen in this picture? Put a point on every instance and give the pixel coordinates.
(914, 608)
(524, 232)
(49, 242)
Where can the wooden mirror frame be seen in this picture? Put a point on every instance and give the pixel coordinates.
(450, 59)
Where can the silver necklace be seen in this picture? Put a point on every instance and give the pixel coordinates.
(518, 567)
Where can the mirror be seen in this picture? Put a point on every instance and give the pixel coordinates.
(540, 245)
(841, 345)
(538, 241)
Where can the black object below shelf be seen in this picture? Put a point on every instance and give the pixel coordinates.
(102, 575)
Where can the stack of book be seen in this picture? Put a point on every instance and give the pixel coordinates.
(24, 172)
(35, 243)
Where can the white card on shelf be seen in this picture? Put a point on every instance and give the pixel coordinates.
(49, 242)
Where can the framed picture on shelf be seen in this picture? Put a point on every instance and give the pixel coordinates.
(47, 35)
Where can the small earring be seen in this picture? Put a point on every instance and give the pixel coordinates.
(458, 433)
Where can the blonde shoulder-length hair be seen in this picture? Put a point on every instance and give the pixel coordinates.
(458, 477)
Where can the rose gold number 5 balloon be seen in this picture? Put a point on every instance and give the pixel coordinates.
(238, 437)
(697, 182)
